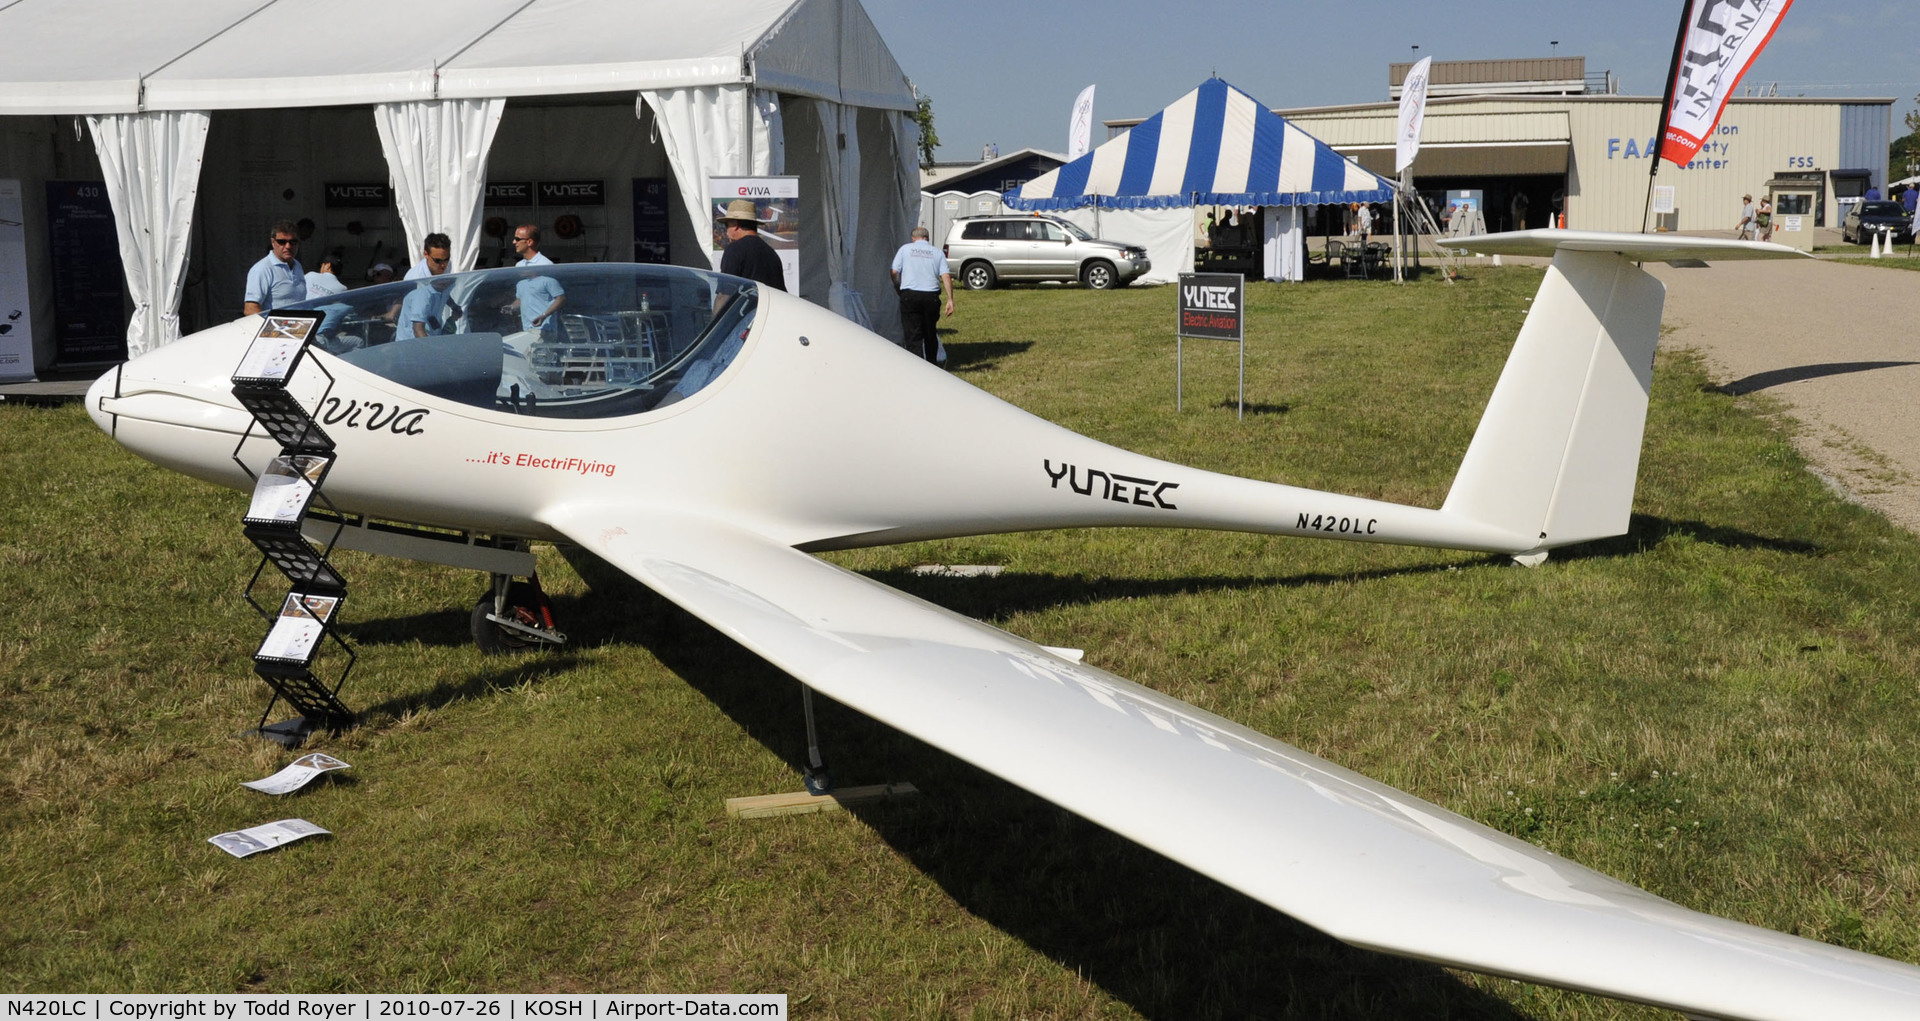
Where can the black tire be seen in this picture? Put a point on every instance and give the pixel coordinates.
(490, 638)
(978, 276)
(1100, 275)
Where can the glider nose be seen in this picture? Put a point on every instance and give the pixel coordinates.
(174, 406)
(101, 391)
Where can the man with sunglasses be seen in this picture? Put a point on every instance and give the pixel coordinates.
(435, 258)
(277, 280)
(536, 297)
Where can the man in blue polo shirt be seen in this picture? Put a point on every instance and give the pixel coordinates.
(277, 280)
(920, 272)
(425, 311)
(536, 296)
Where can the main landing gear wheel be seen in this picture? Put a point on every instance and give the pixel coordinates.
(515, 616)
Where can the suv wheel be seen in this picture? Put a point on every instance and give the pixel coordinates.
(1099, 275)
(977, 276)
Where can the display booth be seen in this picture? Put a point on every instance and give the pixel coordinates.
(199, 125)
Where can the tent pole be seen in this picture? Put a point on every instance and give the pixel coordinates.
(1399, 246)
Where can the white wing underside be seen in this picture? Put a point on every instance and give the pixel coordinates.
(1634, 247)
(1364, 862)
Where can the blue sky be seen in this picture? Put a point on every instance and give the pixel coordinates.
(1007, 72)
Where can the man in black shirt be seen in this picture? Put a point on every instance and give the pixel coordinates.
(747, 254)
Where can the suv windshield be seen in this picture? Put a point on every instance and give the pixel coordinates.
(1075, 230)
(595, 340)
(1882, 209)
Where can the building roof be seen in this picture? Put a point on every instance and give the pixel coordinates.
(1551, 75)
(947, 171)
(1120, 124)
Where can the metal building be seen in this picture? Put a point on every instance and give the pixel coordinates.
(1566, 140)
(1589, 155)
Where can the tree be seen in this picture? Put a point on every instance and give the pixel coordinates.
(923, 116)
(1905, 150)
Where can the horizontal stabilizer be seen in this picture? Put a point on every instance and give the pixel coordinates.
(1635, 247)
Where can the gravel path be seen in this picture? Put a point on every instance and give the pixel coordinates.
(1838, 344)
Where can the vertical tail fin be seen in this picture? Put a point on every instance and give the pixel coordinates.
(1558, 449)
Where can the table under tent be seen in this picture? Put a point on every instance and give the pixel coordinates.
(1214, 146)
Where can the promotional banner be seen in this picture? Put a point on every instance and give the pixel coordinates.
(1210, 305)
(653, 199)
(16, 311)
(1080, 131)
(1413, 114)
(776, 203)
(1718, 42)
(89, 285)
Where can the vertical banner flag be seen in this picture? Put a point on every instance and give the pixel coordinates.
(16, 305)
(1413, 113)
(1080, 132)
(776, 204)
(1718, 42)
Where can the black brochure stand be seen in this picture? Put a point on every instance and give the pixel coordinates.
(306, 619)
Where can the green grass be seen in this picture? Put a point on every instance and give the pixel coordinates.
(1716, 706)
(1897, 257)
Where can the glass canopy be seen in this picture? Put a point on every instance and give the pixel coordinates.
(592, 340)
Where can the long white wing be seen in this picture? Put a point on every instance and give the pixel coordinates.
(1366, 863)
(1636, 247)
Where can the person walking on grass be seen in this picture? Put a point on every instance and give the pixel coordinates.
(921, 274)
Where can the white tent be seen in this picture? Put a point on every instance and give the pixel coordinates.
(728, 87)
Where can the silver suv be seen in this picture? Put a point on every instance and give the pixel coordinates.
(985, 250)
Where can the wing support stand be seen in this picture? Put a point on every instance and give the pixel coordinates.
(819, 778)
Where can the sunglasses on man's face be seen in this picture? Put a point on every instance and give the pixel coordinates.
(286, 241)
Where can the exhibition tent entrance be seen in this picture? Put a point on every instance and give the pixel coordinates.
(1215, 145)
(135, 93)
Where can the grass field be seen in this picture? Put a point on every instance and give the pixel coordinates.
(1717, 706)
(1900, 256)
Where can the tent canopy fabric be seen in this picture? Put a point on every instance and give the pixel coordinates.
(1215, 145)
(126, 56)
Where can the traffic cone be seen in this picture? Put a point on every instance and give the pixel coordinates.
(1876, 246)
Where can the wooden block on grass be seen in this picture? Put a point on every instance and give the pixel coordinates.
(800, 802)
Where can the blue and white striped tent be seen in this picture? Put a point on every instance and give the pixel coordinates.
(1215, 145)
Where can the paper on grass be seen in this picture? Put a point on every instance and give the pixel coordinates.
(298, 774)
(241, 843)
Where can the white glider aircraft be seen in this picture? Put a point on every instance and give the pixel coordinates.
(703, 434)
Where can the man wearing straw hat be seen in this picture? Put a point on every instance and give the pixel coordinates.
(747, 254)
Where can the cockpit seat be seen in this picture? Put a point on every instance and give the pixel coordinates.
(462, 367)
